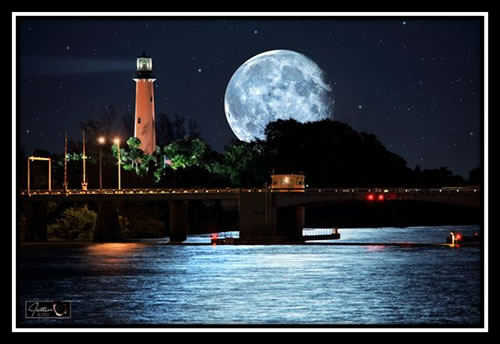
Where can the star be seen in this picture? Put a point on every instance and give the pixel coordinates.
(256, 32)
(27, 131)
(360, 106)
(67, 47)
(199, 70)
(404, 22)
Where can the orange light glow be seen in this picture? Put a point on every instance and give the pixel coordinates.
(113, 248)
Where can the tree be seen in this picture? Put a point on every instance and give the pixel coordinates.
(134, 159)
(331, 153)
(168, 131)
(187, 152)
(475, 176)
(164, 130)
(76, 223)
(438, 177)
(179, 130)
(239, 163)
(193, 128)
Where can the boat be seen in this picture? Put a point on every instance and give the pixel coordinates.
(457, 238)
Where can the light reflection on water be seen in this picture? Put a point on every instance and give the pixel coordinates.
(134, 283)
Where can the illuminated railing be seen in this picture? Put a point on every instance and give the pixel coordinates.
(317, 232)
(154, 191)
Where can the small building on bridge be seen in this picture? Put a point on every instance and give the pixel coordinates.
(288, 181)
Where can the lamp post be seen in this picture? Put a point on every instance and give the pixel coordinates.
(101, 140)
(30, 159)
(84, 157)
(65, 184)
(117, 142)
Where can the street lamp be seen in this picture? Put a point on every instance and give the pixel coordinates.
(101, 140)
(117, 142)
(84, 157)
(65, 184)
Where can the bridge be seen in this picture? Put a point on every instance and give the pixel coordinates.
(265, 214)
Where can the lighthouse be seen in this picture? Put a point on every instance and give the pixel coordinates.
(144, 125)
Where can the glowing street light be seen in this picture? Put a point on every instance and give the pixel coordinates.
(117, 142)
(65, 184)
(84, 157)
(101, 140)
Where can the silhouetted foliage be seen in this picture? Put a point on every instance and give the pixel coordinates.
(168, 131)
(179, 129)
(164, 130)
(329, 153)
(475, 176)
(75, 223)
(433, 178)
(193, 128)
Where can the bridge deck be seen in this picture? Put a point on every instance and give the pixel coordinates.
(280, 197)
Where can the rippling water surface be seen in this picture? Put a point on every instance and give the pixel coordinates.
(153, 283)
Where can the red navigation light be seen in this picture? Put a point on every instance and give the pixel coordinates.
(459, 236)
(213, 238)
(380, 197)
(370, 197)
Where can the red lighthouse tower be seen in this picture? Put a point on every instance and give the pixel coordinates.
(144, 127)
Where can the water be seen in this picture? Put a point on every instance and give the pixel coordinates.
(151, 283)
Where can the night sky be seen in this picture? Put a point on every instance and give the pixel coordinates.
(416, 83)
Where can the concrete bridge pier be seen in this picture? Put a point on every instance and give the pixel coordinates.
(289, 223)
(256, 217)
(259, 221)
(178, 220)
(195, 210)
(36, 222)
(107, 227)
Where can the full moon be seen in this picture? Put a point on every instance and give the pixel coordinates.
(276, 84)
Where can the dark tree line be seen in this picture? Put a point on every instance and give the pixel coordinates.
(329, 153)
(169, 130)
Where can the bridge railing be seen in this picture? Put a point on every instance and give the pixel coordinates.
(139, 191)
(317, 232)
